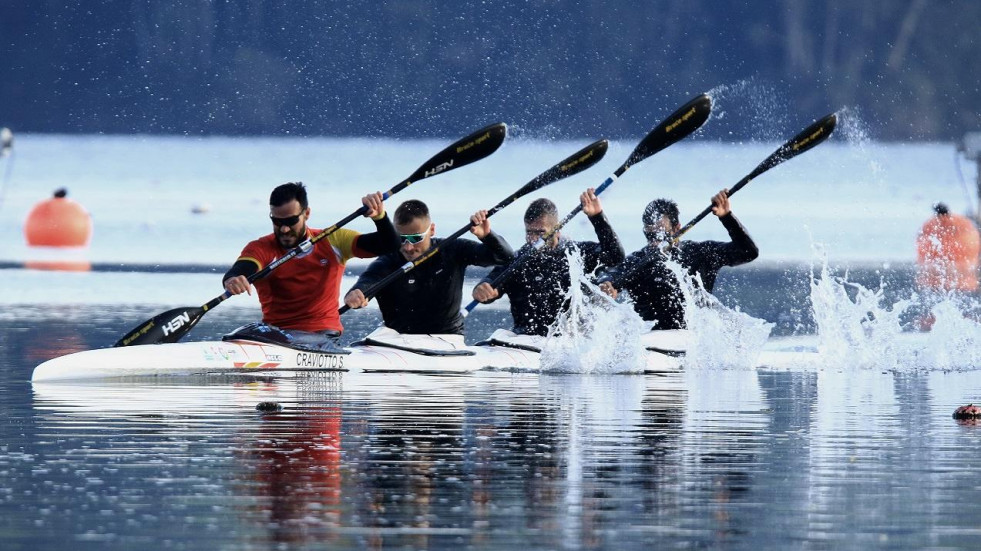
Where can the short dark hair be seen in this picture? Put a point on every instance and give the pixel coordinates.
(941, 209)
(410, 210)
(287, 192)
(658, 208)
(539, 208)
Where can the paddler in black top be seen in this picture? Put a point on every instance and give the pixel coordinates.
(537, 288)
(653, 287)
(426, 300)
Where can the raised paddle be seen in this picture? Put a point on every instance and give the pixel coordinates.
(574, 164)
(171, 325)
(808, 138)
(687, 119)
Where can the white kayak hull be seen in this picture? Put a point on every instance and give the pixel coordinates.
(392, 352)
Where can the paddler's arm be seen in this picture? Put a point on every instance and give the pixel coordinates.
(611, 251)
(614, 278)
(376, 271)
(483, 292)
(236, 279)
(385, 239)
(742, 249)
(492, 250)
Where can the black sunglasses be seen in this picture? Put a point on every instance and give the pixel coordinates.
(288, 221)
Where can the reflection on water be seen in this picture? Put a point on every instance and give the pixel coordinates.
(710, 458)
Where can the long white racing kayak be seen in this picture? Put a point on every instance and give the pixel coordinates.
(382, 350)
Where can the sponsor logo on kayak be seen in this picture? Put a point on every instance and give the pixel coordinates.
(176, 323)
(319, 361)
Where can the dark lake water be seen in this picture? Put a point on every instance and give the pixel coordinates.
(707, 458)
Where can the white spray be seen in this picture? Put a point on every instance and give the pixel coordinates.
(720, 337)
(595, 334)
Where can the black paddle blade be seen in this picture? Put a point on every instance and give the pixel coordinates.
(573, 164)
(807, 139)
(464, 151)
(169, 326)
(687, 119)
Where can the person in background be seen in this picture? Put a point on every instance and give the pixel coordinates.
(300, 297)
(947, 254)
(652, 285)
(538, 286)
(426, 300)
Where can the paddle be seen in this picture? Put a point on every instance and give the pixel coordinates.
(808, 138)
(574, 164)
(687, 119)
(171, 325)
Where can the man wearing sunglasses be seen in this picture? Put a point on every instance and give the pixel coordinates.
(301, 295)
(652, 285)
(426, 300)
(538, 286)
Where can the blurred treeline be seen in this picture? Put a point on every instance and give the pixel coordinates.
(436, 68)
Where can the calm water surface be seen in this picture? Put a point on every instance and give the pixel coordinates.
(735, 459)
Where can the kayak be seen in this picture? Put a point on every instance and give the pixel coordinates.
(383, 350)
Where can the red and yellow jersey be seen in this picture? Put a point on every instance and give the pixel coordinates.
(303, 292)
(947, 252)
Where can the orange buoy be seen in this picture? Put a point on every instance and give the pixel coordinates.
(58, 222)
(62, 225)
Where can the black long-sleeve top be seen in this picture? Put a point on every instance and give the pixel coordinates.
(654, 288)
(538, 286)
(427, 298)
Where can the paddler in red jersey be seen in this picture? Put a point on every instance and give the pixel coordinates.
(947, 254)
(299, 299)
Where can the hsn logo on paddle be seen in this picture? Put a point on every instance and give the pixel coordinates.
(439, 168)
(176, 323)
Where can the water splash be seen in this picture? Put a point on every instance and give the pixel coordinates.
(755, 104)
(595, 334)
(856, 133)
(857, 329)
(720, 337)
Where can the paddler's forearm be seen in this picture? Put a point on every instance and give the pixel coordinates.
(500, 251)
(241, 268)
(745, 248)
(384, 240)
(611, 251)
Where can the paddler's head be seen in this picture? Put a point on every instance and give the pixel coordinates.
(660, 221)
(415, 228)
(288, 211)
(540, 218)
